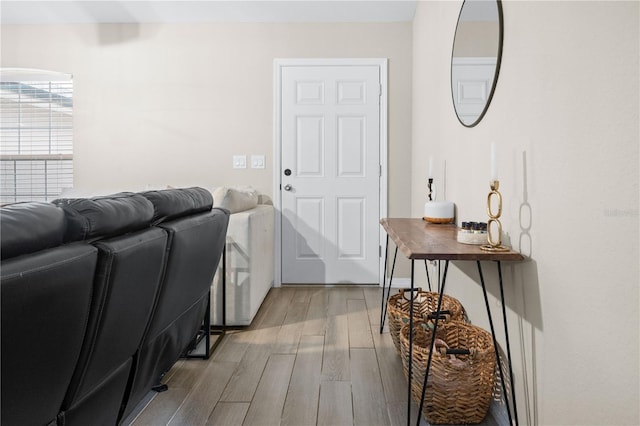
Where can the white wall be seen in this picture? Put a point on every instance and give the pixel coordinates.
(565, 117)
(171, 104)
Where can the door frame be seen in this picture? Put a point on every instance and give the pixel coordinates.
(279, 64)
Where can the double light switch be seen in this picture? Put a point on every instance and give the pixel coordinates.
(257, 162)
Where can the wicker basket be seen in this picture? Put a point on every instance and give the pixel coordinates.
(460, 387)
(424, 304)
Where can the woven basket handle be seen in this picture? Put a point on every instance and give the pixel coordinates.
(403, 290)
(458, 352)
(442, 347)
(442, 315)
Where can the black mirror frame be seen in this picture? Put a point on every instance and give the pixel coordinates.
(495, 74)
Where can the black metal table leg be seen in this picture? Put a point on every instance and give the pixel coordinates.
(203, 334)
(384, 284)
(221, 330)
(506, 333)
(224, 289)
(410, 360)
(426, 269)
(207, 328)
(495, 342)
(433, 340)
(383, 307)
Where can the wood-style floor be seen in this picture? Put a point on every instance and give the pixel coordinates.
(312, 356)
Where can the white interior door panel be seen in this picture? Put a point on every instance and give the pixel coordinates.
(330, 127)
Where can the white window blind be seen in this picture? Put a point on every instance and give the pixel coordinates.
(36, 135)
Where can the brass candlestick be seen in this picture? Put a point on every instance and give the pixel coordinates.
(494, 218)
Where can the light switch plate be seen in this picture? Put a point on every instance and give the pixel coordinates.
(239, 161)
(257, 162)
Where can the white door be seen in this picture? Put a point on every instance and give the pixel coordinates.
(330, 174)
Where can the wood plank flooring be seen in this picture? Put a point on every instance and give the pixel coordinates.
(312, 356)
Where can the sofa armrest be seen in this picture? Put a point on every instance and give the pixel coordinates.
(250, 266)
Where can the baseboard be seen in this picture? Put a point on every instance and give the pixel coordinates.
(400, 283)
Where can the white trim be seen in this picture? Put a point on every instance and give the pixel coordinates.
(32, 74)
(382, 63)
(384, 118)
(400, 283)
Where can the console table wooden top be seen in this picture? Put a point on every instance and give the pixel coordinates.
(418, 239)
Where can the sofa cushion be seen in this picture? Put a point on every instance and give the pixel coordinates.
(235, 199)
(89, 218)
(173, 203)
(30, 227)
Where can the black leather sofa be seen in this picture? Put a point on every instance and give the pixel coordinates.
(99, 298)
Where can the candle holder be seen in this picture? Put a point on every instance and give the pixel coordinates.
(494, 219)
(430, 188)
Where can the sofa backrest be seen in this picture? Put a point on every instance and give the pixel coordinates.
(131, 260)
(45, 293)
(30, 227)
(170, 204)
(81, 281)
(105, 216)
(195, 245)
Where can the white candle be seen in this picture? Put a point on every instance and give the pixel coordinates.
(494, 162)
(431, 167)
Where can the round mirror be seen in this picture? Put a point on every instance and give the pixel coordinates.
(475, 62)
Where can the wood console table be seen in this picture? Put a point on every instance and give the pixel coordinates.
(419, 240)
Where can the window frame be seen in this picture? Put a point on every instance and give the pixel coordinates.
(36, 134)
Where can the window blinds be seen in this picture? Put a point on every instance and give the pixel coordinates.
(36, 138)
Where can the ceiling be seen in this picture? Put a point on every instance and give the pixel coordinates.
(172, 11)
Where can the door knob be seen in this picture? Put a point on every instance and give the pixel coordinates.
(288, 187)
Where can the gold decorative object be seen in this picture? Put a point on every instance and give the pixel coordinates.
(494, 218)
